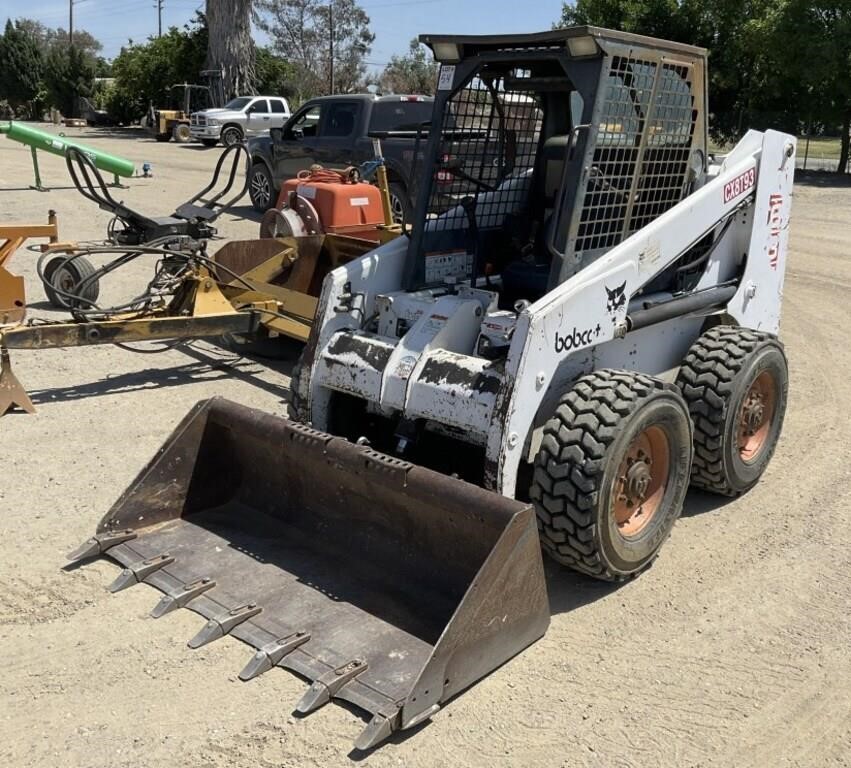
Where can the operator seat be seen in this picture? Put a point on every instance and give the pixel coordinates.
(528, 278)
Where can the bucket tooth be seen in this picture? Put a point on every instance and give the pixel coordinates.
(139, 571)
(221, 625)
(377, 730)
(11, 392)
(99, 543)
(190, 591)
(328, 685)
(271, 653)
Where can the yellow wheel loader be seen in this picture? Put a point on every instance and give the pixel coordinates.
(582, 322)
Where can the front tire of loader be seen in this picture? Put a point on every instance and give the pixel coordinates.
(612, 472)
(735, 382)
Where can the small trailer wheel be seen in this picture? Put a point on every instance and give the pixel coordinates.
(66, 275)
(735, 382)
(612, 472)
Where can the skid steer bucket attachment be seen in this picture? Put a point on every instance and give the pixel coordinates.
(385, 584)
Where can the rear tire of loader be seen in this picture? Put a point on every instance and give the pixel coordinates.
(735, 382)
(612, 472)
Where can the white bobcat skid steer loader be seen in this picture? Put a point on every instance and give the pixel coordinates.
(586, 312)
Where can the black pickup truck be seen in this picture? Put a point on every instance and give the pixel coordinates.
(335, 131)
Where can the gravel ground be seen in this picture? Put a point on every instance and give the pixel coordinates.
(733, 650)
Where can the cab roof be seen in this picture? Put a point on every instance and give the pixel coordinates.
(471, 45)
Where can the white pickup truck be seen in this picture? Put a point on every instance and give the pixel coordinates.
(241, 117)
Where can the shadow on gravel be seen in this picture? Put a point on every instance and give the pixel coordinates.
(823, 179)
(208, 369)
(699, 503)
(569, 590)
(244, 212)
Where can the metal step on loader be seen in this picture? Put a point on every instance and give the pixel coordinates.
(582, 322)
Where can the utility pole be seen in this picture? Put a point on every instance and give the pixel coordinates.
(331, 39)
(159, 7)
(70, 23)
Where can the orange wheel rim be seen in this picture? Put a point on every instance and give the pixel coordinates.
(641, 481)
(756, 417)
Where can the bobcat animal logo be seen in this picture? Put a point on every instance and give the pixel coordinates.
(616, 298)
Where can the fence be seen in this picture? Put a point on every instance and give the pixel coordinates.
(818, 153)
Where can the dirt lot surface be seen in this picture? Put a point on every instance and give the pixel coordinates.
(733, 650)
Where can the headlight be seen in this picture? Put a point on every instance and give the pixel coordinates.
(211, 121)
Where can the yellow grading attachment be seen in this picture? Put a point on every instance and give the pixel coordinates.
(385, 584)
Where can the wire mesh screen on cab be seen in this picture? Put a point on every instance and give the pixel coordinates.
(489, 143)
(643, 146)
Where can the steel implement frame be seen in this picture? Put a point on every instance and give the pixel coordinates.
(385, 584)
(13, 298)
(124, 331)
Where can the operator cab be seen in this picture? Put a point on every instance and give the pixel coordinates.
(549, 153)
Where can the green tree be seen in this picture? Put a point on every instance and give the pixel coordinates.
(301, 33)
(68, 74)
(415, 72)
(145, 72)
(810, 53)
(275, 75)
(48, 37)
(20, 63)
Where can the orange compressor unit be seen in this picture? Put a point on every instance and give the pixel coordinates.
(342, 203)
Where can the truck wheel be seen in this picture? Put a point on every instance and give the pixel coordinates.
(162, 137)
(181, 133)
(231, 135)
(67, 275)
(209, 142)
(735, 382)
(261, 188)
(612, 472)
(400, 205)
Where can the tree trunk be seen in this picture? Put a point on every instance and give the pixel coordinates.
(845, 142)
(231, 48)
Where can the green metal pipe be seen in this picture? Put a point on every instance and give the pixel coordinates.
(57, 145)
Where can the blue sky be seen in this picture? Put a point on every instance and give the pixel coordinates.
(394, 22)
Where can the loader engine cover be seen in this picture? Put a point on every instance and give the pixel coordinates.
(385, 584)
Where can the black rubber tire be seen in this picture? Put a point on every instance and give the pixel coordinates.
(78, 270)
(714, 378)
(260, 179)
(209, 142)
(231, 134)
(181, 133)
(575, 470)
(400, 203)
(162, 137)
